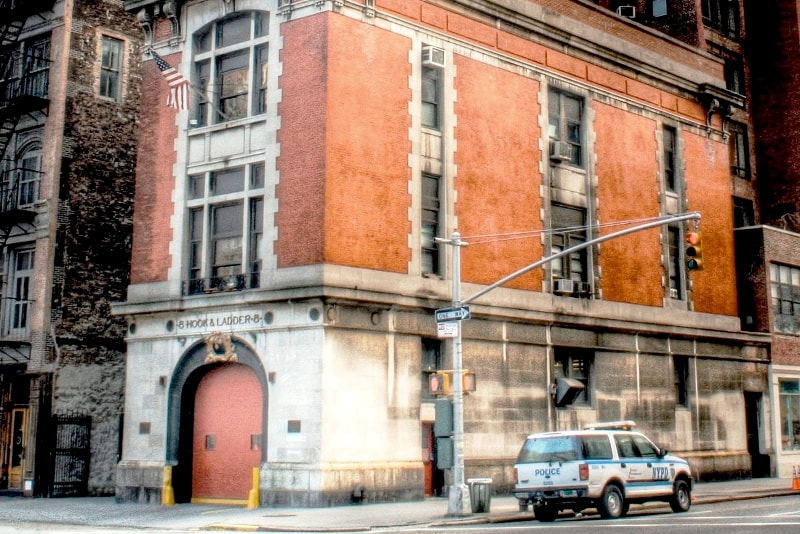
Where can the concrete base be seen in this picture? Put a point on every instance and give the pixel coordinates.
(458, 504)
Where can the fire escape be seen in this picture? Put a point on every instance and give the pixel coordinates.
(24, 75)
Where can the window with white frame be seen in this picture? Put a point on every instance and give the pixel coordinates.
(789, 392)
(231, 65)
(226, 217)
(111, 67)
(431, 97)
(19, 293)
(569, 273)
(565, 118)
(785, 293)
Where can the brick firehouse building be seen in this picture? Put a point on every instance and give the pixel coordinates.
(285, 273)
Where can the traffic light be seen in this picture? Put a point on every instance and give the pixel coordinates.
(439, 383)
(694, 251)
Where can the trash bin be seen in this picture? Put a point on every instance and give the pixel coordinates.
(480, 494)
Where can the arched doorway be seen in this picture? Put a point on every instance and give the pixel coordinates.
(226, 443)
(216, 430)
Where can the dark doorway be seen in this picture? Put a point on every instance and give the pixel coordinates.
(760, 462)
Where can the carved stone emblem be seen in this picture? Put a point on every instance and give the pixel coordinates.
(219, 348)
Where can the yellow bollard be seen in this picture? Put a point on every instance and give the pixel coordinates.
(167, 493)
(252, 497)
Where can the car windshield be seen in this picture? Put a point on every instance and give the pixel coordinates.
(549, 449)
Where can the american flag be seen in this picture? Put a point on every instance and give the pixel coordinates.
(178, 97)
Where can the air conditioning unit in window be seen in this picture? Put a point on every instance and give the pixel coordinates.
(583, 289)
(432, 57)
(563, 286)
(673, 293)
(560, 151)
(627, 11)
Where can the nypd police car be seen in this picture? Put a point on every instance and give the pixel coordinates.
(607, 467)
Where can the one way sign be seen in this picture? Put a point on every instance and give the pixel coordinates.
(446, 315)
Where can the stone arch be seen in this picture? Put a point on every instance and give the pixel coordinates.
(193, 365)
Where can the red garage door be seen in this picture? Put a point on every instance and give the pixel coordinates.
(227, 433)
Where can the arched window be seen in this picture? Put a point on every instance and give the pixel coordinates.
(230, 65)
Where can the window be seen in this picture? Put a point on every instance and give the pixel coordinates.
(680, 366)
(569, 229)
(111, 68)
(231, 68)
(28, 69)
(739, 150)
(430, 224)
(18, 308)
(431, 361)
(635, 446)
(734, 75)
(431, 98)
(789, 391)
(20, 185)
(565, 115)
(575, 364)
(674, 242)
(668, 142)
(743, 213)
(226, 213)
(659, 8)
(785, 292)
(722, 15)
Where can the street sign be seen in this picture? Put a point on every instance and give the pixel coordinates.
(447, 329)
(446, 315)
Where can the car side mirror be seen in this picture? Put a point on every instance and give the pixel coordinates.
(662, 452)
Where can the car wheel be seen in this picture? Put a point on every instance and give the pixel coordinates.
(681, 497)
(545, 513)
(625, 507)
(612, 503)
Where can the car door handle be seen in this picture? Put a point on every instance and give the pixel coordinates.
(622, 465)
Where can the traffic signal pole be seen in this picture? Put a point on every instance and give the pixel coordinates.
(458, 503)
(458, 496)
(567, 251)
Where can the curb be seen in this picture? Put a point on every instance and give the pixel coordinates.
(487, 518)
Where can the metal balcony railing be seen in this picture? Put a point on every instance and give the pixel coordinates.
(28, 88)
(217, 284)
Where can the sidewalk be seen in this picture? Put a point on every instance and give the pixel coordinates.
(105, 511)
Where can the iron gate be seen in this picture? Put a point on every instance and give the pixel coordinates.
(70, 454)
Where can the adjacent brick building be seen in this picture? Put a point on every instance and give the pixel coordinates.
(69, 104)
(284, 241)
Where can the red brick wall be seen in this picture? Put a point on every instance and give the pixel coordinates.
(367, 188)
(152, 232)
(708, 190)
(301, 163)
(591, 16)
(344, 198)
(628, 189)
(498, 179)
